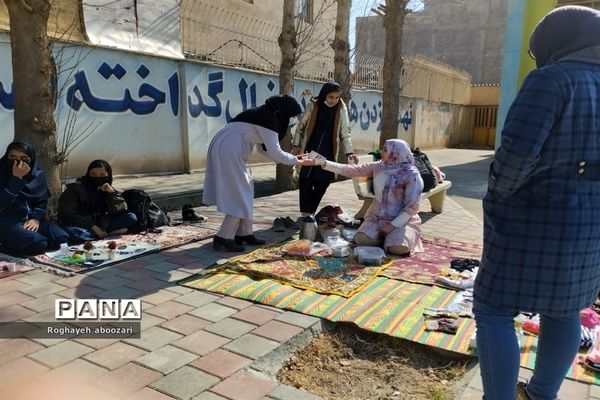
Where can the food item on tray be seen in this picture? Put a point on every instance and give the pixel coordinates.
(300, 247)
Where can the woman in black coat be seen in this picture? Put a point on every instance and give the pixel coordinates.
(90, 208)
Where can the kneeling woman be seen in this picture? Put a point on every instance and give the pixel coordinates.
(24, 228)
(90, 208)
(393, 217)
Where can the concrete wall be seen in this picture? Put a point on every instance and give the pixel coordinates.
(486, 95)
(157, 115)
(466, 34)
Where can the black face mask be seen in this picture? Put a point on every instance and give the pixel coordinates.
(97, 181)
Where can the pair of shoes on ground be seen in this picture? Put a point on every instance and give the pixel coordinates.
(189, 214)
(236, 244)
(280, 224)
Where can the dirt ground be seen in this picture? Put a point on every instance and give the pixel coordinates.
(351, 364)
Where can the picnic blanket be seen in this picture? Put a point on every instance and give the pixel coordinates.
(10, 265)
(387, 306)
(384, 305)
(320, 273)
(424, 267)
(576, 372)
(127, 246)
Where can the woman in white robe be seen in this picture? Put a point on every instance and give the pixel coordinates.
(228, 183)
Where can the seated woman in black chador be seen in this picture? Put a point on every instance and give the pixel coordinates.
(90, 208)
(24, 227)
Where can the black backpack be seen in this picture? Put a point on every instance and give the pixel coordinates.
(149, 215)
(424, 166)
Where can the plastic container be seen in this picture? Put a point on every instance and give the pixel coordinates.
(349, 233)
(369, 255)
(341, 251)
(64, 250)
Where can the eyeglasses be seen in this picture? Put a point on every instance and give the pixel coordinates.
(24, 159)
(531, 54)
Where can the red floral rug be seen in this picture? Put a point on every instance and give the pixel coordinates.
(424, 267)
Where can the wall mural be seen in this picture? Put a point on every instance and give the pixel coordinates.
(141, 97)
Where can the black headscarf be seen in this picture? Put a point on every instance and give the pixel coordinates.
(564, 31)
(326, 114)
(98, 164)
(275, 114)
(97, 197)
(36, 186)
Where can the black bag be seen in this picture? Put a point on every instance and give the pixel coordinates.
(149, 215)
(424, 166)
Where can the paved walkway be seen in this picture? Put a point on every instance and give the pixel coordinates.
(194, 345)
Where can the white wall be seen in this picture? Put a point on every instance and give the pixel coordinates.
(158, 115)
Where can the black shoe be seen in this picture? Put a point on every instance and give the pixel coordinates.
(290, 223)
(278, 225)
(188, 214)
(250, 239)
(228, 244)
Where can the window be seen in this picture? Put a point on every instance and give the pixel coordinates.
(305, 10)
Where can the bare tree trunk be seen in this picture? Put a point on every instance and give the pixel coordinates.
(288, 45)
(32, 71)
(393, 22)
(341, 48)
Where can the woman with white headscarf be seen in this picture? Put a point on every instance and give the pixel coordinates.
(393, 217)
(542, 211)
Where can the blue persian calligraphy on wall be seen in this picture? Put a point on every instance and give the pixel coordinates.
(149, 97)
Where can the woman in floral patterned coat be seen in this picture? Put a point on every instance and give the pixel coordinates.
(393, 217)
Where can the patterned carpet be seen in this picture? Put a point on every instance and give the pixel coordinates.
(385, 305)
(322, 274)
(424, 267)
(127, 247)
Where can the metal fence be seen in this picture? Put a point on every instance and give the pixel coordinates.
(230, 38)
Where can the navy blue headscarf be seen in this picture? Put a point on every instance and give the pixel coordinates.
(565, 31)
(36, 185)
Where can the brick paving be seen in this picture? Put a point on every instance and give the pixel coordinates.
(194, 345)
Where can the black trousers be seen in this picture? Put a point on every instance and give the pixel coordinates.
(311, 192)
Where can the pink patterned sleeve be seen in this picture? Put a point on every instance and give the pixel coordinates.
(412, 194)
(351, 170)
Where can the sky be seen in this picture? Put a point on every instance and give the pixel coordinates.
(361, 8)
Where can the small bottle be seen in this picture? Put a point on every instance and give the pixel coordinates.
(64, 249)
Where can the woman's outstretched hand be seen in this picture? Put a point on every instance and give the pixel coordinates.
(304, 161)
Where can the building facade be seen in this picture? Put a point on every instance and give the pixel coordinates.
(465, 34)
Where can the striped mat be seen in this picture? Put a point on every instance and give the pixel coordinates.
(387, 306)
(576, 372)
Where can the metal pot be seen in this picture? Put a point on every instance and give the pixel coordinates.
(308, 228)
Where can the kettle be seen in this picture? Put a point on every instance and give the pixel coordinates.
(308, 228)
